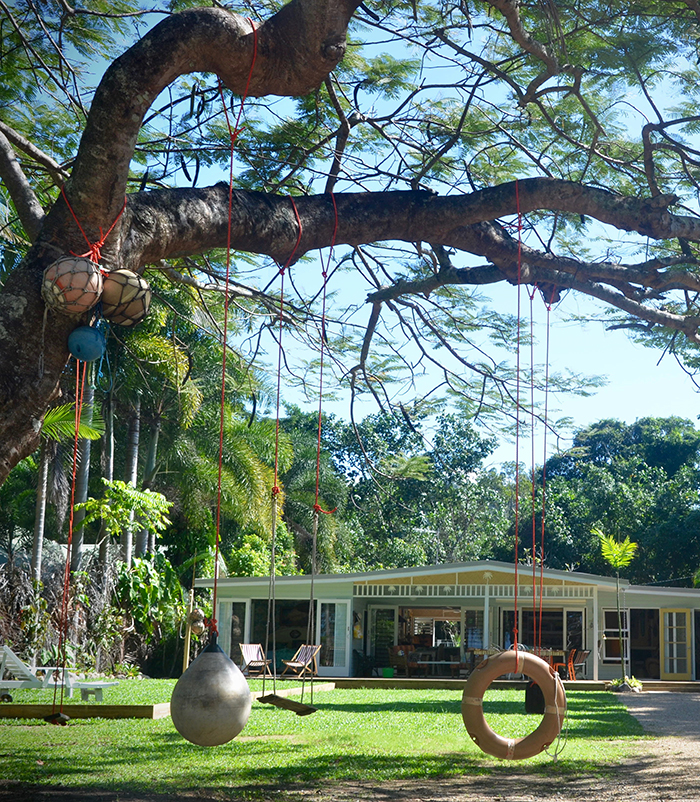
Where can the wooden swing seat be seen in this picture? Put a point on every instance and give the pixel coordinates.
(287, 704)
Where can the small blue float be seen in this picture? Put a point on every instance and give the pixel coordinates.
(86, 343)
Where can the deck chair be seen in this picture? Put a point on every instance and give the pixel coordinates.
(567, 666)
(255, 664)
(19, 674)
(25, 677)
(304, 662)
(575, 659)
(578, 661)
(398, 660)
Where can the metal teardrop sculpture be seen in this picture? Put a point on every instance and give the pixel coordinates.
(211, 701)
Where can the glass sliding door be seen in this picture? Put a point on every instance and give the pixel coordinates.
(334, 637)
(675, 660)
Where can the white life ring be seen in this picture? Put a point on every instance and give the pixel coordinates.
(473, 714)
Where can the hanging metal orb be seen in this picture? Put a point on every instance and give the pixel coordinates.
(126, 297)
(211, 701)
(72, 285)
(86, 343)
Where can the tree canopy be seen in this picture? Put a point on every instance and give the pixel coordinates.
(439, 146)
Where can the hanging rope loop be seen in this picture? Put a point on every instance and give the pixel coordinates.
(233, 135)
(94, 251)
(319, 508)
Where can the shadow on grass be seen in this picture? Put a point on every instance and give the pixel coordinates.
(219, 773)
(285, 751)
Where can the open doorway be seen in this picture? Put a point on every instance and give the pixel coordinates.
(644, 647)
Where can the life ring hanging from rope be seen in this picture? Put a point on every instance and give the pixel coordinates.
(543, 674)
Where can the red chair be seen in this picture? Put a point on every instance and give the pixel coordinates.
(568, 666)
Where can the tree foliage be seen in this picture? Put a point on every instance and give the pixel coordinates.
(547, 145)
(637, 481)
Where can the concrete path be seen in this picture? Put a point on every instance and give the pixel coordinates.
(665, 713)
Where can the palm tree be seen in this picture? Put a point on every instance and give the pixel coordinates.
(618, 554)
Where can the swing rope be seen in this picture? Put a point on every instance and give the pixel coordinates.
(233, 132)
(276, 490)
(536, 638)
(311, 629)
(63, 622)
(517, 429)
(548, 305)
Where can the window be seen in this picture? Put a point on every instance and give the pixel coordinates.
(675, 642)
(611, 636)
(474, 629)
(561, 629)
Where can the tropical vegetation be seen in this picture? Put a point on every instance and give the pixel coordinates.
(427, 150)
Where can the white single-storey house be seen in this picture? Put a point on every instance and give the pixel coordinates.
(450, 613)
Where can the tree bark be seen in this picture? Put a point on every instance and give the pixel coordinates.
(40, 513)
(132, 465)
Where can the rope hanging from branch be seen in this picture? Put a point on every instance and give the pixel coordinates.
(233, 132)
(58, 716)
(211, 702)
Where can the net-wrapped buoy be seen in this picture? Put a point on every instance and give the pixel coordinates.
(72, 285)
(211, 701)
(86, 343)
(196, 620)
(126, 297)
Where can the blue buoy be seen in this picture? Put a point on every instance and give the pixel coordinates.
(86, 343)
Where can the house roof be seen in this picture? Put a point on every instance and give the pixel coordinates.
(393, 574)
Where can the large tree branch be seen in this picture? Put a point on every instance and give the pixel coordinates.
(511, 11)
(171, 223)
(26, 203)
(296, 49)
(53, 168)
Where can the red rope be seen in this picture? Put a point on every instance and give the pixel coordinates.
(63, 624)
(233, 132)
(324, 274)
(517, 431)
(544, 450)
(94, 251)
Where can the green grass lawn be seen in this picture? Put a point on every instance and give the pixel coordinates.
(374, 735)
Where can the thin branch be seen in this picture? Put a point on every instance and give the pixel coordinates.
(26, 202)
(54, 169)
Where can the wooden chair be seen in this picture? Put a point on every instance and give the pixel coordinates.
(304, 661)
(255, 663)
(579, 661)
(398, 660)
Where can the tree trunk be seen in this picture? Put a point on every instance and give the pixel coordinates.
(623, 673)
(81, 480)
(40, 512)
(107, 470)
(144, 542)
(132, 465)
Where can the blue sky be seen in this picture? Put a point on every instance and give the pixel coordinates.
(638, 385)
